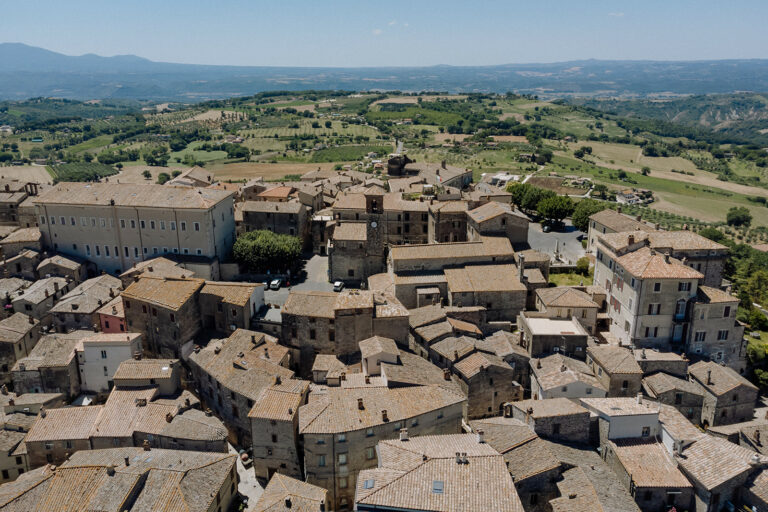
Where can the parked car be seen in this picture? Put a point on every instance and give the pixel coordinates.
(275, 284)
(338, 286)
(546, 228)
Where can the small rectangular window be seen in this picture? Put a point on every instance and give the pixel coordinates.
(183, 226)
(197, 226)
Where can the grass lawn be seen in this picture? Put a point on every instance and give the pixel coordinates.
(92, 145)
(571, 279)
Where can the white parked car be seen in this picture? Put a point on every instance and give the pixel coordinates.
(338, 286)
(275, 284)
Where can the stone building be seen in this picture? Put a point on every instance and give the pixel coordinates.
(488, 381)
(650, 293)
(498, 219)
(116, 225)
(38, 299)
(560, 376)
(284, 218)
(715, 334)
(275, 429)
(447, 221)
(51, 366)
(494, 287)
(160, 267)
(616, 369)
(684, 395)
(230, 375)
(339, 441)
(354, 252)
(558, 419)
(19, 334)
(23, 265)
(163, 373)
(227, 306)
(397, 221)
(567, 302)
(542, 336)
(728, 398)
(650, 474)
(166, 311)
(334, 323)
(21, 240)
(434, 472)
(652, 361)
(112, 316)
(435, 257)
(612, 221)
(78, 308)
(194, 480)
(57, 265)
(624, 418)
(718, 470)
(284, 494)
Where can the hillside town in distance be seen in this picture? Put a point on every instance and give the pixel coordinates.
(417, 357)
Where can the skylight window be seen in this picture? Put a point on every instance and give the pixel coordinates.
(438, 486)
(368, 484)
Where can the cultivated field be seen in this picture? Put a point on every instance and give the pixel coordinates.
(412, 100)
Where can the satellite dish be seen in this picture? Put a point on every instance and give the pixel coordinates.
(373, 224)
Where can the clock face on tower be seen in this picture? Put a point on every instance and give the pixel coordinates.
(373, 224)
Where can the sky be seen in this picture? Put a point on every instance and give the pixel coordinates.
(342, 33)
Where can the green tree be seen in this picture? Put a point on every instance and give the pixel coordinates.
(162, 178)
(555, 208)
(713, 234)
(739, 216)
(645, 170)
(264, 250)
(147, 175)
(583, 210)
(582, 266)
(600, 190)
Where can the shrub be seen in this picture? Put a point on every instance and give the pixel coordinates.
(263, 250)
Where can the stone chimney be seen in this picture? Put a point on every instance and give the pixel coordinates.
(360, 404)
(127, 462)
(278, 380)
(521, 268)
(446, 374)
(480, 436)
(43, 412)
(288, 503)
(404, 434)
(666, 257)
(709, 377)
(384, 416)
(31, 320)
(55, 286)
(111, 470)
(137, 355)
(640, 398)
(630, 239)
(146, 446)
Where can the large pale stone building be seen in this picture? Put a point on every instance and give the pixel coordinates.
(117, 225)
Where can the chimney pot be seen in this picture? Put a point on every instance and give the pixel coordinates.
(709, 377)
(111, 470)
(278, 380)
(146, 446)
(639, 398)
(446, 374)
(630, 239)
(127, 462)
(360, 404)
(404, 434)
(480, 436)
(384, 416)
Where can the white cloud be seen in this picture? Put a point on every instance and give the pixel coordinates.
(377, 31)
(616, 14)
(405, 24)
(392, 23)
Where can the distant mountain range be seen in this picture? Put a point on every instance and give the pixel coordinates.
(27, 71)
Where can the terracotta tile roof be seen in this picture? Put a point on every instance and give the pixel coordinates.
(425, 315)
(534, 276)
(124, 194)
(15, 327)
(712, 461)
(303, 497)
(455, 347)
(22, 235)
(483, 278)
(677, 425)
(414, 370)
(69, 423)
(432, 332)
(577, 494)
(620, 406)
(157, 267)
(709, 295)
(646, 263)
(488, 247)
(410, 472)
(446, 206)
(377, 345)
(557, 370)
(279, 191)
(60, 261)
(35, 293)
(618, 222)
(565, 297)
(292, 207)
(648, 463)
(477, 362)
(722, 380)
(462, 326)
(351, 231)
(170, 293)
(280, 401)
(338, 411)
(326, 363)
(550, 407)
(51, 351)
(235, 293)
(661, 382)
(89, 295)
(614, 360)
(247, 374)
(491, 210)
(145, 369)
(310, 303)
